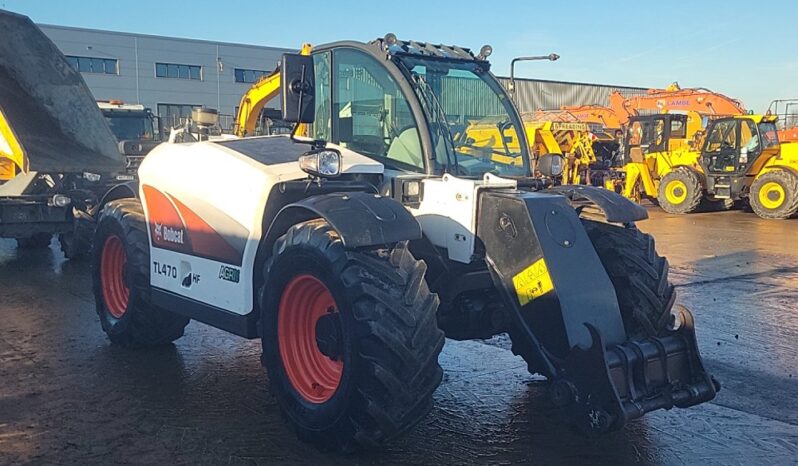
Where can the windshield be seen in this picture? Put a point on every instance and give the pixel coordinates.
(472, 129)
(127, 127)
(769, 135)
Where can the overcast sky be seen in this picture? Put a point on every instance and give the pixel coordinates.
(744, 49)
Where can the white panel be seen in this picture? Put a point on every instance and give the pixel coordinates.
(448, 210)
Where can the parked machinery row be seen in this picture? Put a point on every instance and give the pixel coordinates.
(691, 149)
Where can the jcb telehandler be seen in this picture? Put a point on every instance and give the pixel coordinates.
(736, 158)
(351, 253)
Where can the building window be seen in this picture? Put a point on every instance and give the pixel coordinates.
(248, 76)
(174, 114)
(174, 70)
(94, 65)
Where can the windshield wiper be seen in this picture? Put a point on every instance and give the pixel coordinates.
(442, 125)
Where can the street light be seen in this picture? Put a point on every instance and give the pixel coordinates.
(550, 57)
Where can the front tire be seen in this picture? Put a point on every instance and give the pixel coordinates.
(121, 278)
(350, 340)
(638, 274)
(680, 191)
(774, 195)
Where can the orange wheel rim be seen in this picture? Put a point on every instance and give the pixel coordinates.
(112, 276)
(314, 375)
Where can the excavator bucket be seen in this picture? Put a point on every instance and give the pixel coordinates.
(49, 121)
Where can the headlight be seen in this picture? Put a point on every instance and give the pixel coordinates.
(551, 164)
(59, 200)
(325, 163)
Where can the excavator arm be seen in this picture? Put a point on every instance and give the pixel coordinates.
(596, 115)
(699, 100)
(253, 101)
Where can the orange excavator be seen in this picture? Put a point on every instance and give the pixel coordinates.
(674, 99)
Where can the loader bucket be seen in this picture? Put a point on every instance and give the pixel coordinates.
(564, 306)
(49, 120)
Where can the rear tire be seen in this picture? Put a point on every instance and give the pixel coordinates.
(680, 191)
(371, 374)
(121, 278)
(774, 195)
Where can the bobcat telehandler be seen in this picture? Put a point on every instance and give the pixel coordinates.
(352, 252)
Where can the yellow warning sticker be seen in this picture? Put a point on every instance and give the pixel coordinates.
(533, 282)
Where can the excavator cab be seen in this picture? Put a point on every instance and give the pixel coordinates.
(735, 147)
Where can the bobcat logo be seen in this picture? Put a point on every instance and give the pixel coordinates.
(167, 234)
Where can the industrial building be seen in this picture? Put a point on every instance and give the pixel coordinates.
(171, 75)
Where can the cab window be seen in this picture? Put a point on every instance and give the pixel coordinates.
(723, 136)
(749, 139)
(767, 132)
(370, 114)
(678, 129)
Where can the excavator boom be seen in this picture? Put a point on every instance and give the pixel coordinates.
(253, 101)
(595, 115)
(699, 100)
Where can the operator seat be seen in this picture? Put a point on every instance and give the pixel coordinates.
(406, 148)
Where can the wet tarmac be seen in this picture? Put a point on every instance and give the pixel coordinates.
(67, 396)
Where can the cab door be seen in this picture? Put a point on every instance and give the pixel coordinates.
(362, 107)
(721, 153)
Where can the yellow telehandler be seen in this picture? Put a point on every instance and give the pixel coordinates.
(675, 164)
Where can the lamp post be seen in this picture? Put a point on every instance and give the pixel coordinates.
(550, 57)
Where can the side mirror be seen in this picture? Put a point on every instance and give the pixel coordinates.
(298, 83)
(551, 165)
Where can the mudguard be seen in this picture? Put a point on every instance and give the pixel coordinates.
(129, 189)
(616, 208)
(361, 219)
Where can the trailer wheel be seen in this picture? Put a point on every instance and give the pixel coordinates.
(350, 339)
(638, 274)
(121, 278)
(774, 195)
(680, 191)
(35, 241)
